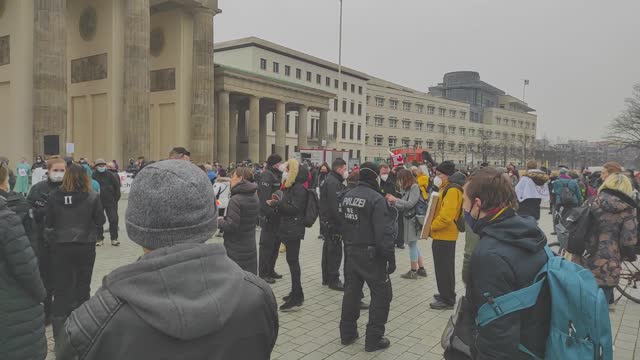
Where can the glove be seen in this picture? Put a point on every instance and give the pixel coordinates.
(391, 265)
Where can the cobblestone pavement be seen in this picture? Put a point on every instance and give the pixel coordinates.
(413, 328)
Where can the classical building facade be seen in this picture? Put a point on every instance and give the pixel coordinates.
(338, 124)
(115, 78)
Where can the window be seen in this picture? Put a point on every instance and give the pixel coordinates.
(360, 93)
(440, 145)
(359, 132)
(452, 146)
(335, 104)
(406, 142)
(350, 131)
(420, 108)
(393, 123)
(296, 122)
(286, 152)
(463, 131)
(526, 125)
(452, 113)
(452, 130)
(273, 122)
(406, 106)
(379, 120)
(298, 74)
(344, 106)
(431, 110)
(441, 111)
(379, 101)
(352, 108)
(520, 123)
(353, 88)
(419, 125)
(520, 137)
(358, 154)
(344, 130)
(345, 86)
(276, 67)
(335, 129)
(286, 126)
(367, 120)
(392, 141)
(319, 79)
(406, 124)
(513, 122)
(441, 129)
(393, 104)
(472, 132)
(377, 140)
(263, 64)
(498, 135)
(287, 70)
(417, 143)
(336, 83)
(430, 127)
(463, 114)
(505, 136)
(328, 81)
(359, 109)
(513, 137)
(368, 99)
(430, 144)
(309, 76)
(366, 139)
(461, 147)
(498, 121)
(470, 147)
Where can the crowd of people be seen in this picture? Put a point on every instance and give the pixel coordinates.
(185, 298)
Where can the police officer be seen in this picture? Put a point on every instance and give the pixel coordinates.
(330, 224)
(370, 258)
(268, 184)
(109, 196)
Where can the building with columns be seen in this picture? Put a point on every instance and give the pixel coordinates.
(116, 78)
(339, 120)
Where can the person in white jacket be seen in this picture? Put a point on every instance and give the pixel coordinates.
(222, 191)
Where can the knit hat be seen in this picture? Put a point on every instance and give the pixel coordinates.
(171, 202)
(100, 162)
(273, 159)
(369, 171)
(564, 170)
(446, 167)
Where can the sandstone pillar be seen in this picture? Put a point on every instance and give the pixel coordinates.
(264, 152)
(253, 127)
(280, 119)
(136, 132)
(202, 92)
(233, 132)
(223, 128)
(322, 132)
(49, 74)
(302, 126)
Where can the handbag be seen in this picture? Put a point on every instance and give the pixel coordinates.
(458, 334)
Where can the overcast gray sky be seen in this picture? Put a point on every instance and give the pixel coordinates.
(581, 56)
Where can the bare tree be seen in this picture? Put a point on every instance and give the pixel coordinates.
(484, 145)
(625, 129)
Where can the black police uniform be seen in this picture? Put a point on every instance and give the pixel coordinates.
(389, 187)
(371, 258)
(330, 228)
(269, 242)
(109, 196)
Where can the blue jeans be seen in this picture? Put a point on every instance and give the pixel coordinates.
(414, 251)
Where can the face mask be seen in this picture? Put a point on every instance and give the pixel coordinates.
(101, 169)
(384, 177)
(282, 168)
(437, 181)
(345, 174)
(56, 177)
(285, 176)
(469, 219)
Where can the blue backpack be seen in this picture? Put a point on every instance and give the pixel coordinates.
(580, 326)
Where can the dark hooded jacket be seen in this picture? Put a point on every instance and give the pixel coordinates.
(19, 205)
(507, 258)
(293, 204)
(22, 333)
(329, 215)
(109, 187)
(239, 226)
(268, 184)
(187, 302)
(74, 217)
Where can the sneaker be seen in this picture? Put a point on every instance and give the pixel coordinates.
(275, 275)
(99, 242)
(349, 341)
(400, 247)
(441, 305)
(336, 285)
(412, 275)
(268, 279)
(286, 298)
(292, 303)
(381, 344)
(422, 272)
(363, 305)
(115, 243)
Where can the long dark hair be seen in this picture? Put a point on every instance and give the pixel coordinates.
(76, 179)
(405, 179)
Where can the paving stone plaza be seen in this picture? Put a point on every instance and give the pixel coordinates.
(413, 328)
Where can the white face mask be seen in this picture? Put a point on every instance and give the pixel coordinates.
(282, 168)
(437, 181)
(285, 176)
(384, 177)
(56, 177)
(345, 174)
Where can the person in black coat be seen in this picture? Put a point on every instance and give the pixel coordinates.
(109, 196)
(291, 230)
(269, 242)
(330, 225)
(388, 181)
(22, 334)
(239, 224)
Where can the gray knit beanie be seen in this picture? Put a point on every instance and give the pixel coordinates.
(171, 202)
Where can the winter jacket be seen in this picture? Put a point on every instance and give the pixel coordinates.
(109, 187)
(573, 186)
(616, 227)
(38, 199)
(507, 258)
(407, 204)
(389, 186)
(447, 211)
(329, 215)
(18, 204)
(21, 292)
(269, 184)
(239, 226)
(187, 302)
(74, 217)
(293, 203)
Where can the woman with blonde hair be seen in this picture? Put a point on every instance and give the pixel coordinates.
(615, 230)
(74, 213)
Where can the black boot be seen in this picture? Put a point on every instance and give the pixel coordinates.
(286, 298)
(294, 300)
(381, 344)
(57, 322)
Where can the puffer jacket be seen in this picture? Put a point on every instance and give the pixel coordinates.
(447, 211)
(38, 198)
(21, 292)
(74, 217)
(239, 226)
(187, 302)
(616, 226)
(293, 203)
(19, 205)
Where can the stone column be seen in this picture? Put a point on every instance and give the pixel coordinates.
(202, 91)
(322, 132)
(280, 120)
(262, 148)
(233, 131)
(223, 128)
(253, 126)
(49, 73)
(302, 126)
(136, 132)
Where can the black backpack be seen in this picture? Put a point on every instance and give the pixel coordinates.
(312, 209)
(579, 224)
(459, 221)
(567, 197)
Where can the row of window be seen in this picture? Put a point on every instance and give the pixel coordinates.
(351, 108)
(309, 77)
(392, 141)
(515, 123)
(419, 108)
(358, 133)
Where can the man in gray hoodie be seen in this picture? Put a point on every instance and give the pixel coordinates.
(182, 299)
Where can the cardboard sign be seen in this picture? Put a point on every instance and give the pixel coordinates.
(125, 180)
(431, 212)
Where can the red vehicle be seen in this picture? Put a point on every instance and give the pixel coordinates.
(410, 155)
